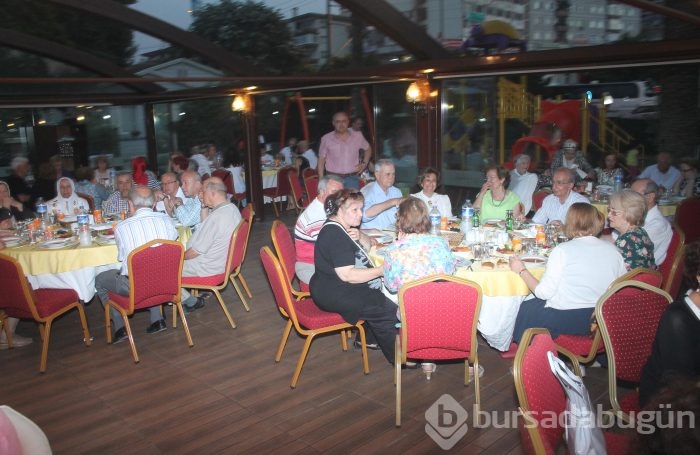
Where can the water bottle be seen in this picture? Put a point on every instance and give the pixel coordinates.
(112, 180)
(618, 182)
(42, 211)
(84, 235)
(467, 212)
(434, 220)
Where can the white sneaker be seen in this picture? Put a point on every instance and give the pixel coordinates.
(18, 341)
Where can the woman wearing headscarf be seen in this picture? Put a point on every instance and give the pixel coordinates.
(67, 202)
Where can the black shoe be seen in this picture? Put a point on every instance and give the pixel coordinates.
(372, 346)
(197, 305)
(157, 326)
(119, 336)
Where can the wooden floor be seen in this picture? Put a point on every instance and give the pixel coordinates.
(227, 395)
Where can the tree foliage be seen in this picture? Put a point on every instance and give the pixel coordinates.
(251, 30)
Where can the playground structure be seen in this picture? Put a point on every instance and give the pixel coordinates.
(552, 122)
(493, 37)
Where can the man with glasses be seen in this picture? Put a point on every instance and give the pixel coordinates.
(171, 191)
(657, 226)
(555, 206)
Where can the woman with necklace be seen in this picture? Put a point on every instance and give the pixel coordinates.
(428, 180)
(494, 199)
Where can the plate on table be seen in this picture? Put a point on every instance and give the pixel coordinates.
(606, 189)
(106, 235)
(534, 261)
(12, 241)
(665, 202)
(493, 223)
(58, 243)
(101, 226)
(68, 219)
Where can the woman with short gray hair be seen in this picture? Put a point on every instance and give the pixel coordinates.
(626, 212)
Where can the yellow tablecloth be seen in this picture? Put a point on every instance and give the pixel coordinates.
(665, 209)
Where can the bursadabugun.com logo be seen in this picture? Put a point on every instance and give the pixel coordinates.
(448, 421)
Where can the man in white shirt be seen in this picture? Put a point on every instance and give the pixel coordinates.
(555, 206)
(309, 224)
(304, 150)
(656, 225)
(662, 173)
(382, 198)
(522, 182)
(289, 151)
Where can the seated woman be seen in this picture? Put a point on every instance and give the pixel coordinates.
(494, 199)
(689, 183)
(416, 253)
(19, 211)
(675, 353)
(428, 180)
(344, 281)
(67, 202)
(605, 175)
(578, 272)
(626, 213)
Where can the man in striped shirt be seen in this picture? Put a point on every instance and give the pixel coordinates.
(309, 224)
(140, 228)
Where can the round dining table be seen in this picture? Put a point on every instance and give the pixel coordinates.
(71, 267)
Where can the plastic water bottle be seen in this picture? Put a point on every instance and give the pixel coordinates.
(467, 212)
(112, 180)
(42, 211)
(618, 182)
(434, 220)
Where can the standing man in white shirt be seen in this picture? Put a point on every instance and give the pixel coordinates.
(555, 206)
(522, 182)
(656, 225)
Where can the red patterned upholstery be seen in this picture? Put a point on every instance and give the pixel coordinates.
(306, 318)
(42, 305)
(286, 252)
(687, 218)
(311, 184)
(226, 177)
(672, 267)
(540, 395)
(439, 315)
(538, 197)
(308, 172)
(628, 322)
(154, 270)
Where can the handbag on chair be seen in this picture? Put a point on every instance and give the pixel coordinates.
(583, 436)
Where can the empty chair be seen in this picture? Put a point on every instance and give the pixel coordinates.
(439, 315)
(226, 177)
(541, 396)
(672, 267)
(687, 218)
(286, 253)
(306, 318)
(282, 190)
(155, 271)
(586, 347)
(42, 305)
(628, 320)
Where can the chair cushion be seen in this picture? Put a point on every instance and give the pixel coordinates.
(49, 301)
(312, 317)
(630, 403)
(213, 280)
(577, 344)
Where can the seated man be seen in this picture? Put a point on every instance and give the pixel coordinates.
(522, 182)
(170, 192)
(87, 184)
(555, 206)
(118, 201)
(189, 210)
(207, 249)
(309, 224)
(662, 173)
(140, 228)
(381, 197)
(656, 225)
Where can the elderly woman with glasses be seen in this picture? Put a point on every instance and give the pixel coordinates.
(345, 281)
(689, 183)
(571, 158)
(626, 214)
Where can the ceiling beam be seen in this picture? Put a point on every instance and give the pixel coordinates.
(388, 20)
(213, 53)
(75, 57)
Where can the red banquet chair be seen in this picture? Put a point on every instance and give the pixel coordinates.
(541, 396)
(311, 185)
(307, 319)
(283, 188)
(155, 271)
(439, 315)
(628, 317)
(687, 218)
(301, 200)
(538, 198)
(586, 347)
(19, 300)
(286, 253)
(672, 267)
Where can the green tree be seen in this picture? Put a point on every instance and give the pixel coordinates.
(251, 30)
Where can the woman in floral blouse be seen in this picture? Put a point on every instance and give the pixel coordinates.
(626, 213)
(416, 253)
(605, 175)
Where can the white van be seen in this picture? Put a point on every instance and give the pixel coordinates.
(630, 100)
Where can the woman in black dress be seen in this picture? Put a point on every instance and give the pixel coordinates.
(345, 282)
